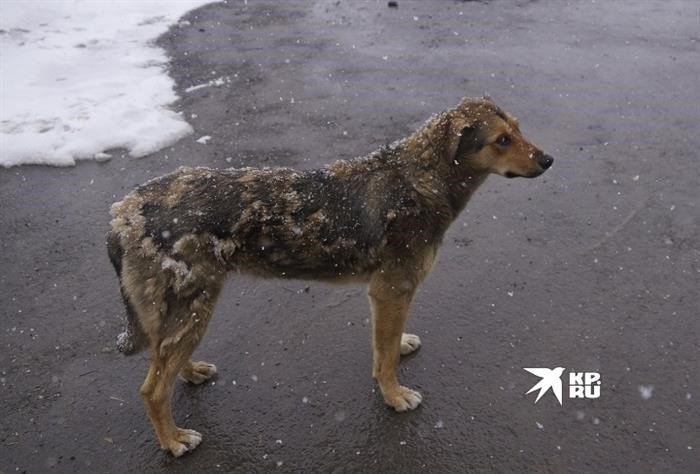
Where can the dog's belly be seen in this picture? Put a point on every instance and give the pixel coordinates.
(308, 257)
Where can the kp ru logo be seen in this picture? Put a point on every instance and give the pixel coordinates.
(584, 385)
(581, 384)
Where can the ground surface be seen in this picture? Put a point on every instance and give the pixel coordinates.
(593, 267)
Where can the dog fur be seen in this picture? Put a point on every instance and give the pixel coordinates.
(379, 219)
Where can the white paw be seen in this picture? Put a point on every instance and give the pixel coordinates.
(185, 440)
(405, 400)
(199, 372)
(409, 343)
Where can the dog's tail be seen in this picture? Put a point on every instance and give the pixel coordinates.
(133, 339)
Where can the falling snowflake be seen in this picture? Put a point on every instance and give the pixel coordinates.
(646, 391)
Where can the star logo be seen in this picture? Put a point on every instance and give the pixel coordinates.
(551, 378)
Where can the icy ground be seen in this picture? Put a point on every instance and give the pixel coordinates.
(78, 78)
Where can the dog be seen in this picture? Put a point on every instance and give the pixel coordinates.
(378, 219)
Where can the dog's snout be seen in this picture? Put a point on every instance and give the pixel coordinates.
(545, 161)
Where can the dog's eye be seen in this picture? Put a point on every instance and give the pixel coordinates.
(503, 140)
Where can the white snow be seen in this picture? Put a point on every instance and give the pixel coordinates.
(80, 77)
(646, 391)
(218, 82)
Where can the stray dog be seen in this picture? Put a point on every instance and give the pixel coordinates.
(378, 219)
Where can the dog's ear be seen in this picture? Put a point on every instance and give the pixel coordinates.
(471, 140)
(463, 138)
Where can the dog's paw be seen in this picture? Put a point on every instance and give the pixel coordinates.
(198, 372)
(185, 440)
(404, 399)
(409, 343)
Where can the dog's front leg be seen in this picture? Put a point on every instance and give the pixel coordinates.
(390, 297)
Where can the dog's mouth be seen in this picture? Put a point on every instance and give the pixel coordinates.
(533, 174)
(543, 164)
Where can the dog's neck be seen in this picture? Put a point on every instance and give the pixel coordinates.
(440, 177)
(462, 185)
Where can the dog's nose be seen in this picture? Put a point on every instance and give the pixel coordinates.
(545, 161)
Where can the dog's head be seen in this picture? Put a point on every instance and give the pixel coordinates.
(485, 138)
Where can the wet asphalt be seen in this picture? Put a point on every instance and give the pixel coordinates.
(593, 267)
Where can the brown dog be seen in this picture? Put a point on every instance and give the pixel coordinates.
(378, 219)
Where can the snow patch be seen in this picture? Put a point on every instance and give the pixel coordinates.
(218, 82)
(82, 77)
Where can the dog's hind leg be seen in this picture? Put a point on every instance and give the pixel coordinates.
(170, 355)
(390, 297)
(157, 391)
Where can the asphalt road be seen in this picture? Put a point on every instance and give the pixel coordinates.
(594, 267)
